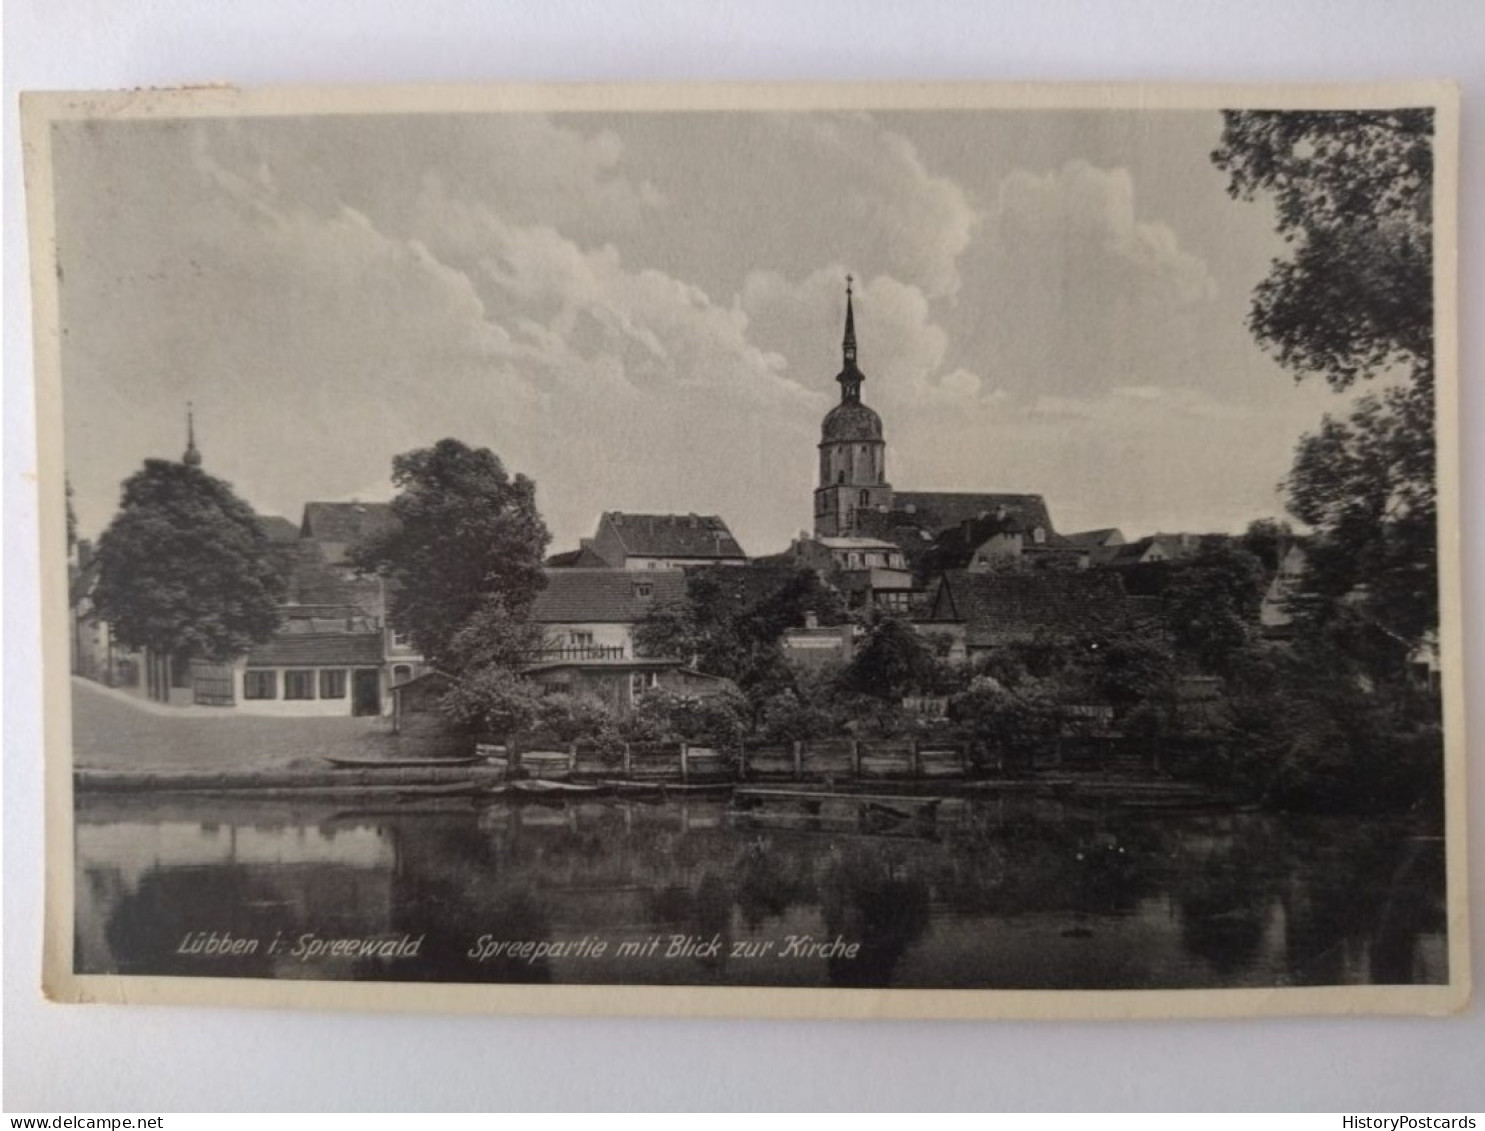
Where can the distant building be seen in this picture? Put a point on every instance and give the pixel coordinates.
(1002, 539)
(815, 645)
(621, 684)
(662, 541)
(338, 527)
(1154, 548)
(1100, 544)
(980, 612)
(868, 572)
(592, 613)
(581, 558)
(1274, 615)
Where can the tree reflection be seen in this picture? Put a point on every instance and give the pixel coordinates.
(877, 898)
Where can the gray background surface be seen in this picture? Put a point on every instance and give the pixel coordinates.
(153, 1059)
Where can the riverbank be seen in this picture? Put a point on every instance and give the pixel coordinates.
(113, 730)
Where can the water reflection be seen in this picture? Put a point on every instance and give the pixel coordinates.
(1008, 892)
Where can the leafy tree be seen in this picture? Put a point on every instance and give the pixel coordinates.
(184, 568)
(892, 662)
(465, 556)
(1366, 485)
(492, 700)
(1134, 672)
(1354, 302)
(1267, 539)
(1211, 603)
(732, 624)
(712, 720)
(1353, 193)
(1014, 720)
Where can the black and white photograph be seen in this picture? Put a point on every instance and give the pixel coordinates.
(752, 550)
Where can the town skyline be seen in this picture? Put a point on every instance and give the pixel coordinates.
(1062, 318)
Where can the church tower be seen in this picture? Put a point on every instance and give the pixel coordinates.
(192, 458)
(853, 455)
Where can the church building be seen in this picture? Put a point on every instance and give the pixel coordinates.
(854, 500)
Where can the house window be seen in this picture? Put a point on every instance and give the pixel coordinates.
(260, 685)
(1039, 535)
(580, 639)
(643, 589)
(865, 498)
(401, 674)
(332, 683)
(299, 685)
(640, 682)
(401, 639)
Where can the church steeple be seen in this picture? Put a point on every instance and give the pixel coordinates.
(192, 458)
(850, 377)
(853, 454)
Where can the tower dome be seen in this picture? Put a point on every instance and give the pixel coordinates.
(850, 421)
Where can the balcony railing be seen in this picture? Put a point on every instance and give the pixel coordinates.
(576, 652)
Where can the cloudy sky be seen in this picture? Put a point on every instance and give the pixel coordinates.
(644, 312)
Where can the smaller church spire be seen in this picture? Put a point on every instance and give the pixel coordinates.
(848, 345)
(192, 458)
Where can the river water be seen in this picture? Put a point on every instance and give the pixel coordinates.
(1004, 892)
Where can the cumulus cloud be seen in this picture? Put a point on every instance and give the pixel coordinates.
(791, 192)
(1069, 292)
(320, 340)
(902, 346)
(641, 313)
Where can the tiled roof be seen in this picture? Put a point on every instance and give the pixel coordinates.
(612, 596)
(342, 525)
(673, 535)
(310, 579)
(1094, 537)
(937, 510)
(320, 650)
(278, 528)
(748, 590)
(955, 547)
(581, 558)
(998, 608)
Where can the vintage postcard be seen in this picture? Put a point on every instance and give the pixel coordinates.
(954, 551)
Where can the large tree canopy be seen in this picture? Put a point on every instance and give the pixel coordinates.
(1353, 192)
(464, 561)
(184, 568)
(1354, 302)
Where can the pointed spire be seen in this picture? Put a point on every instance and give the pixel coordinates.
(850, 377)
(192, 458)
(848, 345)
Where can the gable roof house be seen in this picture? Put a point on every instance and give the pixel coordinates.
(984, 611)
(591, 614)
(868, 572)
(1000, 539)
(664, 541)
(339, 527)
(919, 521)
